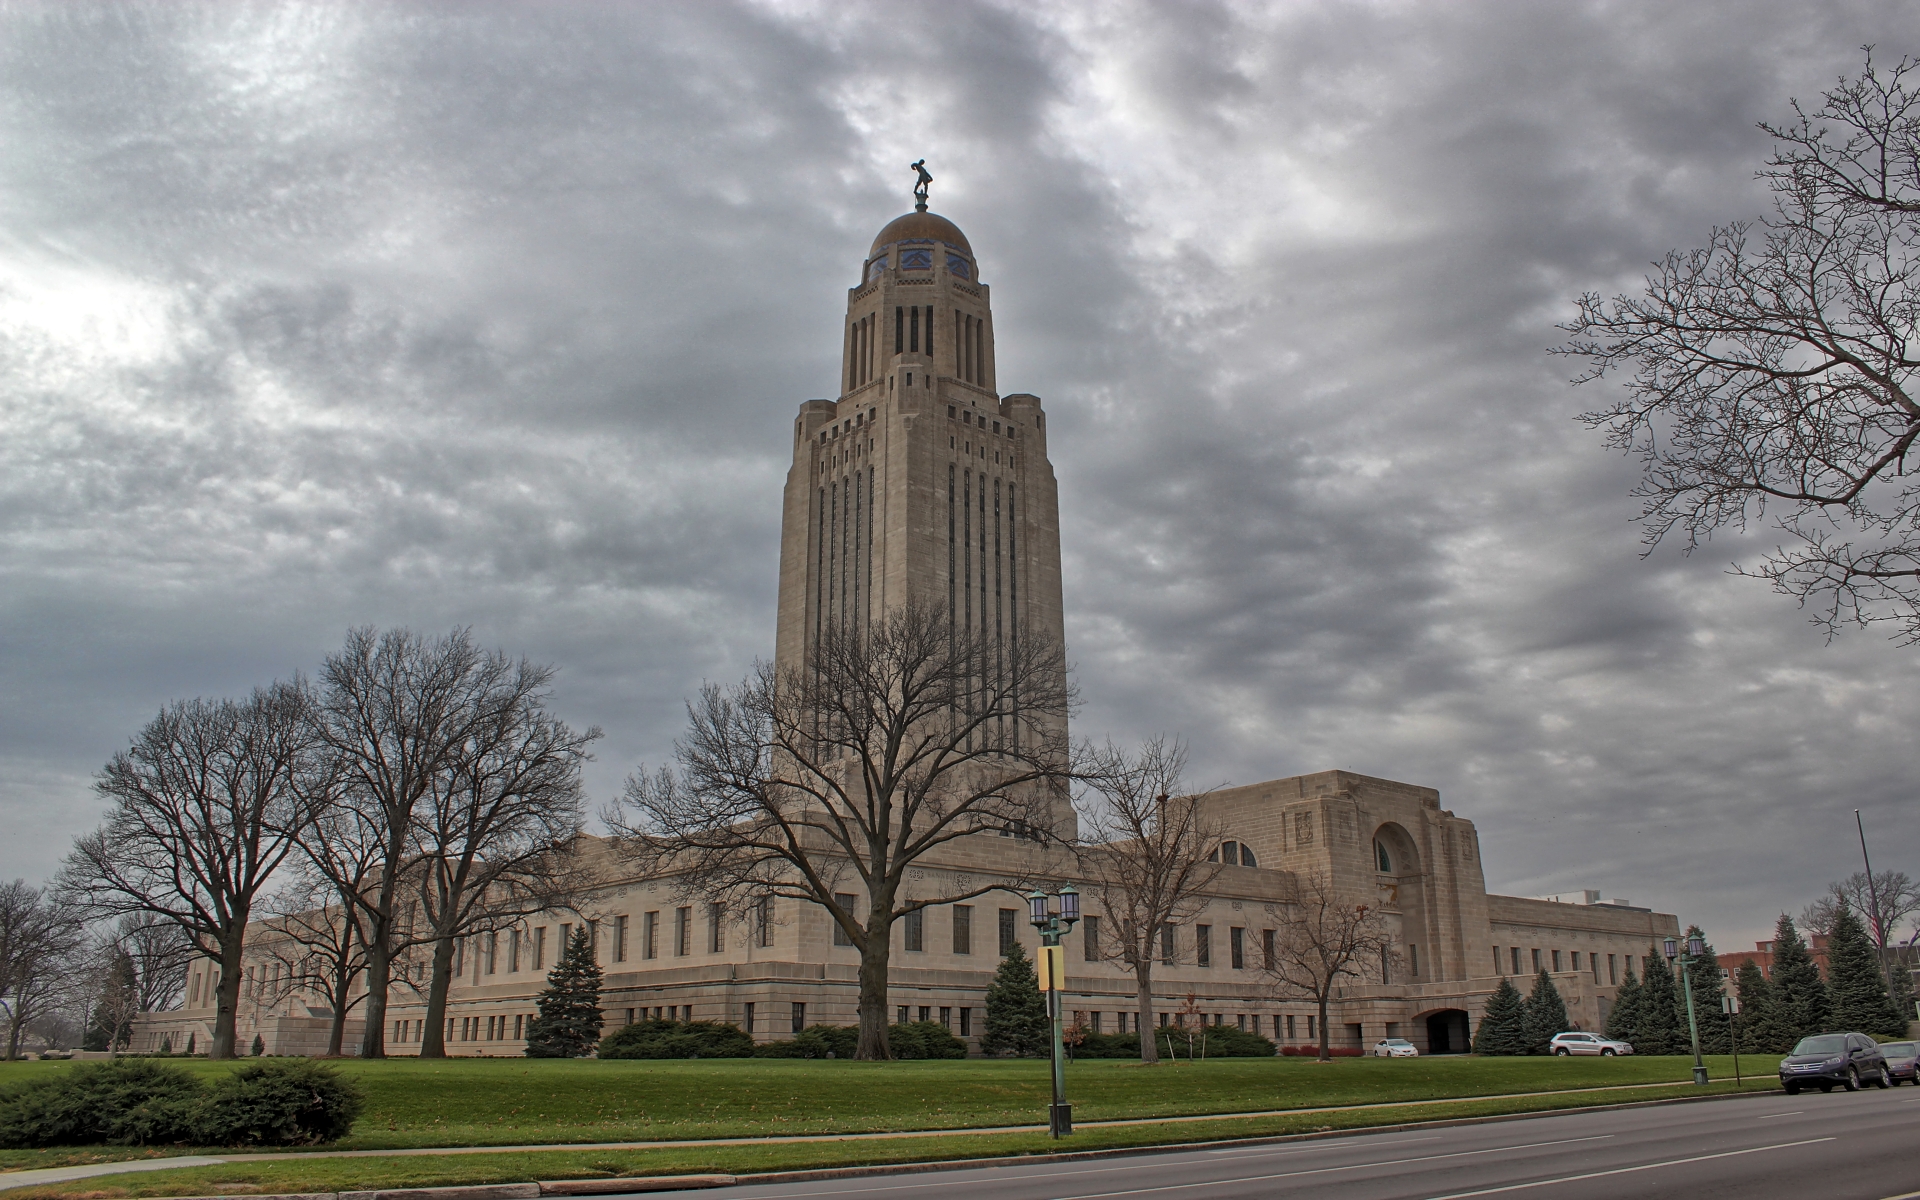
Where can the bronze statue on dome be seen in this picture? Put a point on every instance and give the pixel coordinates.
(920, 186)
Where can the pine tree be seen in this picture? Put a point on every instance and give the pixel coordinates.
(568, 1022)
(259, 1045)
(1546, 1014)
(1902, 994)
(1503, 1026)
(190, 1040)
(1858, 989)
(1703, 975)
(1804, 1001)
(1661, 1028)
(1763, 1027)
(1017, 1021)
(1623, 1019)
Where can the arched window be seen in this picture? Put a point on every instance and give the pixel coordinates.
(1234, 854)
(1380, 858)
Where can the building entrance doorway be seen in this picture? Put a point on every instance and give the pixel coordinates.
(1447, 1032)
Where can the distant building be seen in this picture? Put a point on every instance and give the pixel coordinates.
(923, 480)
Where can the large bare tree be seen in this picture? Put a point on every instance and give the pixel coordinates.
(315, 938)
(891, 741)
(1143, 851)
(1770, 373)
(207, 803)
(397, 711)
(39, 941)
(1884, 903)
(1327, 935)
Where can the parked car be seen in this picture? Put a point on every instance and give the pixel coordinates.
(1395, 1048)
(1830, 1060)
(1900, 1058)
(1587, 1043)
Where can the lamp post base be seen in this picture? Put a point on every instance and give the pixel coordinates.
(1700, 1076)
(1059, 1119)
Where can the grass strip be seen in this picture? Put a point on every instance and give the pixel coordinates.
(346, 1174)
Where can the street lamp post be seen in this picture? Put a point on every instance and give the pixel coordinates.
(1694, 950)
(1053, 971)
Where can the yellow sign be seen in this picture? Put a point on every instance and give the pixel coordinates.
(1053, 968)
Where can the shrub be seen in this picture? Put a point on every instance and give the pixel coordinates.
(287, 1102)
(123, 1102)
(815, 1041)
(1313, 1051)
(924, 1039)
(677, 1039)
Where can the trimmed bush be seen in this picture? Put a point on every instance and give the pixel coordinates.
(1223, 1041)
(283, 1102)
(924, 1039)
(677, 1039)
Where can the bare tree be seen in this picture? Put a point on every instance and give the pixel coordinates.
(39, 939)
(1325, 936)
(1144, 847)
(1771, 372)
(888, 743)
(497, 839)
(207, 803)
(316, 938)
(397, 710)
(1884, 904)
(161, 955)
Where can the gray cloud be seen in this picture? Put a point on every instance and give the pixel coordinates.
(313, 316)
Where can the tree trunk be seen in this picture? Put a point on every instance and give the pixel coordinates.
(874, 958)
(373, 1039)
(1143, 1019)
(232, 972)
(1324, 1056)
(434, 1043)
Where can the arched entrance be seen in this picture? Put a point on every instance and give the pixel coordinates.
(1448, 1033)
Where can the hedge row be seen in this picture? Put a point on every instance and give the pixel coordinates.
(141, 1102)
(714, 1039)
(1220, 1041)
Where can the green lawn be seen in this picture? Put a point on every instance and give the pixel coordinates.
(320, 1174)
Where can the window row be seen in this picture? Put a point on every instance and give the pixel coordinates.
(969, 417)
(1537, 960)
(856, 421)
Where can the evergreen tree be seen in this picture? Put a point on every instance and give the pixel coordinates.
(259, 1045)
(1503, 1026)
(1546, 1014)
(1804, 1001)
(568, 1022)
(1703, 975)
(1623, 1019)
(1017, 1020)
(1902, 994)
(1763, 1027)
(1660, 1029)
(190, 1041)
(1858, 988)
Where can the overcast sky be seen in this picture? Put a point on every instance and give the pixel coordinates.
(314, 316)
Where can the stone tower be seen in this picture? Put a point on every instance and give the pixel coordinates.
(921, 481)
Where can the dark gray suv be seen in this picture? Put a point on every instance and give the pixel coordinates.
(1827, 1060)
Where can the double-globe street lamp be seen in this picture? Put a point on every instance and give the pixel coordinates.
(1695, 948)
(1053, 972)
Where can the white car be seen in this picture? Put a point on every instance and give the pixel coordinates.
(1395, 1048)
(1587, 1043)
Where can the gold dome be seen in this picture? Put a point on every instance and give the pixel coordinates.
(920, 225)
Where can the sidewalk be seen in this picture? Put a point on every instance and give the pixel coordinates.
(15, 1179)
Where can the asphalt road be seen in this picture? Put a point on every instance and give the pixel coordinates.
(1858, 1146)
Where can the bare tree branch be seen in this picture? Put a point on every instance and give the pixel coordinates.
(1326, 936)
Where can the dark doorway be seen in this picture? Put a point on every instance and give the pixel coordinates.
(1447, 1032)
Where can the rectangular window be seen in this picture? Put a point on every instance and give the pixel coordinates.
(1166, 945)
(459, 957)
(915, 922)
(1575, 964)
(493, 951)
(1593, 963)
(1613, 974)
(966, 1022)
(1514, 952)
(593, 940)
(900, 1015)
(913, 330)
(763, 921)
(650, 935)
(799, 1016)
(714, 915)
(1497, 968)
(519, 1026)
(1096, 1022)
(1237, 947)
(1536, 962)
(513, 950)
(1203, 945)
(929, 331)
(926, 1013)
(844, 900)
(1007, 937)
(620, 939)
(963, 929)
(1556, 959)
(1413, 960)
(746, 1020)
(1090, 938)
(539, 947)
(1289, 1026)
(1266, 948)
(946, 1016)
(1310, 1033)
(899, 343)
(566, 936)
(682, 932)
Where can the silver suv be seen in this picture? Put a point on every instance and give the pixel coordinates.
(1587, 1043)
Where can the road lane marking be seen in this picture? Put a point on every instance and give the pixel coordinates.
(1771, 1116)
(1392, 1162)
(1332, 1146)
(1672, 1162)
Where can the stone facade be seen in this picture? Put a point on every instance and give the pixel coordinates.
(923, 483)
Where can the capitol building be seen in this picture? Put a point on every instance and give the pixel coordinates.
(923, 480)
